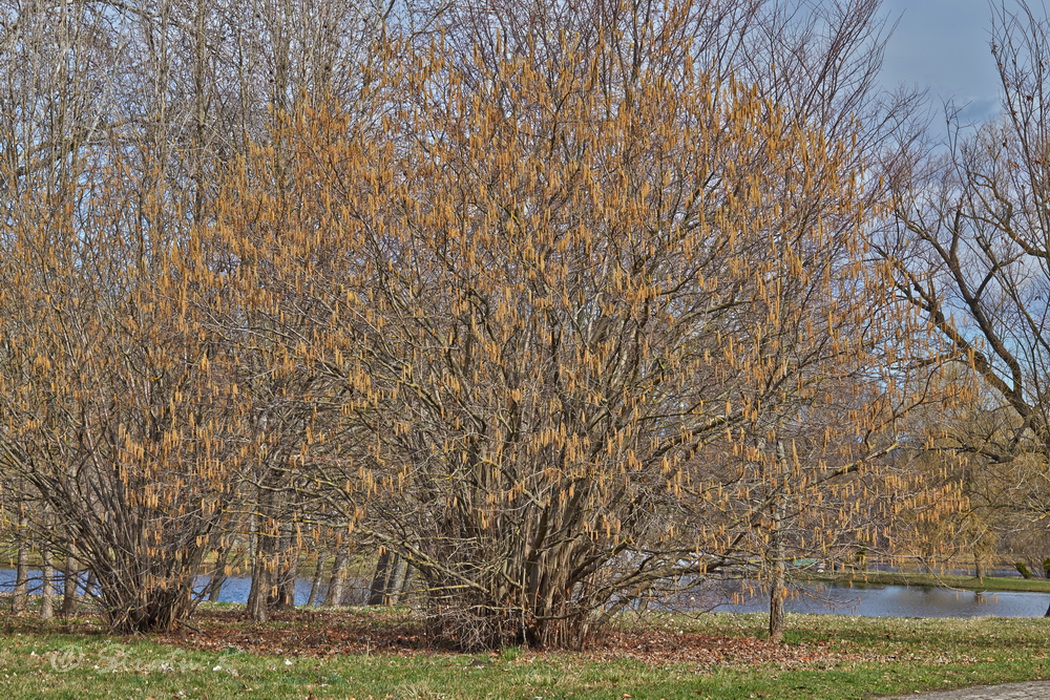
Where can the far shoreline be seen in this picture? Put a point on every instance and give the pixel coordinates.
(989, 584)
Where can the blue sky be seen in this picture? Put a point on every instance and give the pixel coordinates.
(944, 45)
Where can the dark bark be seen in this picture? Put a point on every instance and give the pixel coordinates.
(377, 592)
(777, 590)
(390, 580)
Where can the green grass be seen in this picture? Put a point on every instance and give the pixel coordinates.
(865, 657)
(970, 583)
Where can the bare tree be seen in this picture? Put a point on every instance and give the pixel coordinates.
(969, 246)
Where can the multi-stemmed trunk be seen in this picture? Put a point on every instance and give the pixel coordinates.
(390, 580)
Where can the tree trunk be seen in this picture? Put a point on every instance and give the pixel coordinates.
(218, 576)
(315, 584)
(777, 589)
(69, 587)
(47, 594)
(403, 580)
(287, 562)
(258, 608)
(285, 590)
(262, 593)
(380, 587)
(20, 595)
(390, 580)
(337, 584)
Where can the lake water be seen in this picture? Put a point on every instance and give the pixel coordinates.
(234, 589)
(733, 596)
(878, 601)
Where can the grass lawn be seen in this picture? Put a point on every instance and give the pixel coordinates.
(367, 654)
